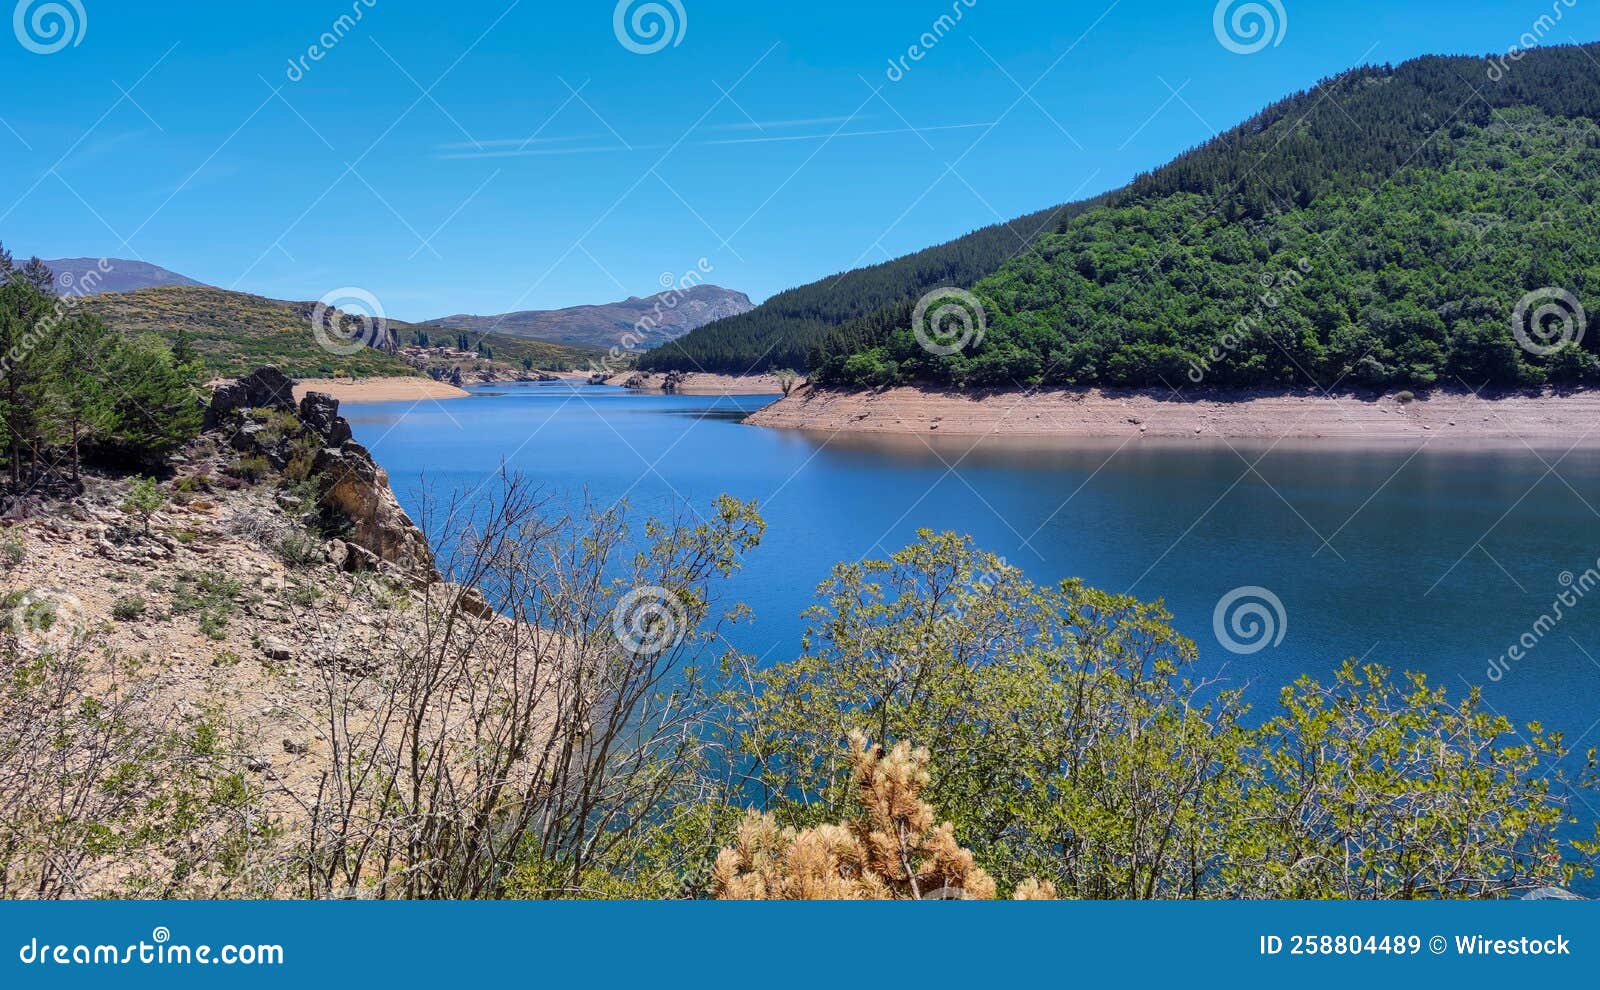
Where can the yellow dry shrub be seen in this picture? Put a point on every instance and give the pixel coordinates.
(895, 851)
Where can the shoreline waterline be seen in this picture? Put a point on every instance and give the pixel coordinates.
(1549, 419)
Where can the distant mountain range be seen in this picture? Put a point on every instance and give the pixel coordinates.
(124, 276)
(657, 319)
(234, 332)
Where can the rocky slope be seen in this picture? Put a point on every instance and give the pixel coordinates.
(225, 593)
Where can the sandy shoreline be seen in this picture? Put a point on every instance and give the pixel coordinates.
(705, 383)
(358, 390)
(1543, 419)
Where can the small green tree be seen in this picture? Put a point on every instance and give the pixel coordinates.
(144, 499)
(155, 406)
(38, 275)
(183, 350)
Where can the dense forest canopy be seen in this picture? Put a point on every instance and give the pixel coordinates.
(1426, 280)
(1391, 226)
(783, 331)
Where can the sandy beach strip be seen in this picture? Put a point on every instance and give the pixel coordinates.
(1548, 419)
(358, 390)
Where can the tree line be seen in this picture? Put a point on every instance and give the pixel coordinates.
(1127, 290)
(1473, 266)
(72, 390)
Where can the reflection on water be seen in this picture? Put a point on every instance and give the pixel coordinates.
(1433, 559)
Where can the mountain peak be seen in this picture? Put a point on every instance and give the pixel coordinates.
(92, 276)
(652, 320)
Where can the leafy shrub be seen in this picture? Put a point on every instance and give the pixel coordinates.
(251, 469)
(301, 548)
(128, 608)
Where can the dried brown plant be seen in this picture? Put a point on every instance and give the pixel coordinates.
(894, 851)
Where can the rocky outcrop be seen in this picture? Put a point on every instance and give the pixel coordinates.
(264, 388)
(353, 488)
(374, 332)
(359, 509)
(319, 411)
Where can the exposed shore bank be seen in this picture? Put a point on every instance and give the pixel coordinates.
(1549, 418)
(355, 390)
(704, 383)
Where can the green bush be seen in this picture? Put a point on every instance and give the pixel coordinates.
(251, 469)
(128, 608)
(301, 548)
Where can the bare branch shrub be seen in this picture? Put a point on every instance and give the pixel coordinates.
(537, 709)
(105, 790)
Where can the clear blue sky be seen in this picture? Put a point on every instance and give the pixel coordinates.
(483, 155)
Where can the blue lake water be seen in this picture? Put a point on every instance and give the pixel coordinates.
(1434, 560)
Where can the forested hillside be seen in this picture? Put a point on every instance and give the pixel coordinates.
(1386, 228)
(782, 332)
